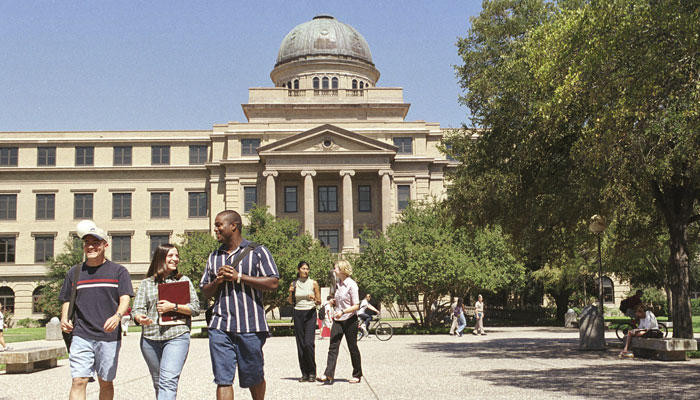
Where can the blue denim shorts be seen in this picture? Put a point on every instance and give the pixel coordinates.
(243, 350)
(88, 356)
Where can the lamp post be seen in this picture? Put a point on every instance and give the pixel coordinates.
(597, 226)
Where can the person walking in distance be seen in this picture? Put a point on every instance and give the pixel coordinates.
(125, 321)
(305, 295)
(236, 275)
(479, 316)
(327, 320)
(347, 302)
(103, 295)
(459, 321)
(164, 347)
(3, 345)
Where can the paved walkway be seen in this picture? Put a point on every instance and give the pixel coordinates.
(509, 363)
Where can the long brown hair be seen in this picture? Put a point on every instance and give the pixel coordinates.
(158, 269)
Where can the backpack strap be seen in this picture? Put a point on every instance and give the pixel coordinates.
(74, 292)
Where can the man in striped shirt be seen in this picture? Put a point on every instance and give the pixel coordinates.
(238, 328)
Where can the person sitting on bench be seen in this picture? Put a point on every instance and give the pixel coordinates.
(647, 327)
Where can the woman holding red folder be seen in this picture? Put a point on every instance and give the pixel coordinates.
(164, 347)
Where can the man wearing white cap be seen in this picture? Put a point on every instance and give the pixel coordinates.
(103, 294)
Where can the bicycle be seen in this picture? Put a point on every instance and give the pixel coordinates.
(623, 328)
(382, 330)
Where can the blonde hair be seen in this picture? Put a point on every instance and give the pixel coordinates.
(344, 267)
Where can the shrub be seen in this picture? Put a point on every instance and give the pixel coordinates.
(27, 323)
(695, 306)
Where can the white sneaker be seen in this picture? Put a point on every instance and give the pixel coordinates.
(7, 348)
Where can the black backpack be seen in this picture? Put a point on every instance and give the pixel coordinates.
(322, 313)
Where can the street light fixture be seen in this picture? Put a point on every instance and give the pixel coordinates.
(597, 226)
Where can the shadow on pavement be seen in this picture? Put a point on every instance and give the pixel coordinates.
(628, 380)
(513, 348)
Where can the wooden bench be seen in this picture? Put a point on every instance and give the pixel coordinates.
(668, 349)
(22, 361)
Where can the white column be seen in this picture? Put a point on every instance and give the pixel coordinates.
(309, 208)
(348, 205)
(386, 198)
(270, 194)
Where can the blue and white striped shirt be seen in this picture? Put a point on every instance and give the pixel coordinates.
(239, 308)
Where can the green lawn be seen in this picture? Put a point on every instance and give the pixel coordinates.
(24, 334)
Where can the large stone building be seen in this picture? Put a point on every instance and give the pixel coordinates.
(325, 146)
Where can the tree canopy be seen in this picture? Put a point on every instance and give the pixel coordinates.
(585, 107)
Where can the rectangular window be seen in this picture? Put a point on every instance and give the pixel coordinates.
(198, 155)
(405, 145)
(403, 195)
(249, 147)
(250, 197)
(8, 206)
(327, 199)
(121, 248)
(160, 205)
(197, 204)
(7, 249)
(45, 206)
(122, 155)
(290, 199)
(45, 156)
(157, 240)
(121, 205)
(82, 206)
(84, 155)
(43, 248)
(8, 156)
(160, 155)
(329, 238)
(364, 197)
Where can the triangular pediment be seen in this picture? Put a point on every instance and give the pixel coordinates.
(326, 138)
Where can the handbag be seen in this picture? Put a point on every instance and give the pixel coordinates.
(237, 260)
(68, 337)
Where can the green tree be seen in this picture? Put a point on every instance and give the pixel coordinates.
(281, 236)
(288, 247)
(58, 267)
(586, 105)
(424, 257)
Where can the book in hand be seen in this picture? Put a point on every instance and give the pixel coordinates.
(174, 292)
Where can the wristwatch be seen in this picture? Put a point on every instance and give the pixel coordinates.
(175, 308)
(119, 315)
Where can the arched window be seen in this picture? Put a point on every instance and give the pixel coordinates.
(7, 299)
(362, 85)
(36, 295)
(334, 83)
(367, 85)
(325, 83)
(289, 85)
(316, 82)
(354, 83)
(608, 290)
(296, 84)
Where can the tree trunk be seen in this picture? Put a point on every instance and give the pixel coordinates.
(679, 268)
(677, 204)
(561, 299)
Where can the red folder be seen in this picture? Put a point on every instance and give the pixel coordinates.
(174, 292)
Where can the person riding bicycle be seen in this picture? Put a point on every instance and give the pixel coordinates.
(629, 305)
(647, 327)
(365, 315)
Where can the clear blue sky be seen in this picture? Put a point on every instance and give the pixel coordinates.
(81, 65)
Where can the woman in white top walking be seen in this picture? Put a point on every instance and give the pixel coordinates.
(479, 316)
(305, 294)
(347, 302)
(3, 345)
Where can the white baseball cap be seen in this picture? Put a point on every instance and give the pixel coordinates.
(87, 227)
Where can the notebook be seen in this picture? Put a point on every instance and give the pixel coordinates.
(174, 292)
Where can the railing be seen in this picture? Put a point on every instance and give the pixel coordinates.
(354, 92)
(296, 92)
(325, 92)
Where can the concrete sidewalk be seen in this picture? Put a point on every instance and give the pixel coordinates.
(509, 363)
